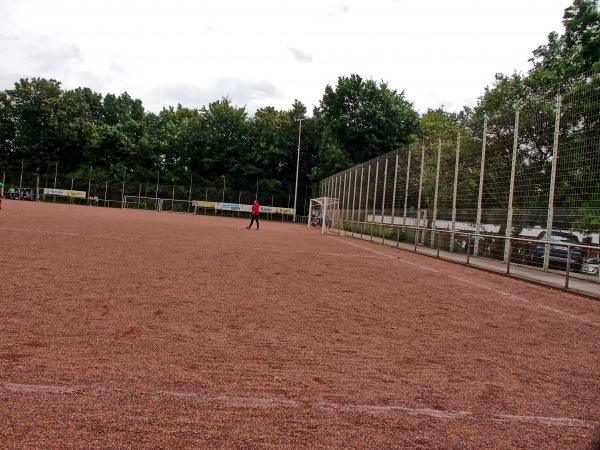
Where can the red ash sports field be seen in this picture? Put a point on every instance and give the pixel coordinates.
(136, 329)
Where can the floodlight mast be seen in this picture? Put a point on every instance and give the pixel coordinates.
(223, 200)
(297, 167)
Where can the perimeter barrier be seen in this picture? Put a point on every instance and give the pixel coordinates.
(57, 188)
(524, 177)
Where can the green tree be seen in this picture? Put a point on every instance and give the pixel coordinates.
(37, 135)
(117, 135)
(225, 143)
(564, 57)
(177, 142)
(366, 119)
(439, 126)
(76, 123)
(273, 141)
(8, 129)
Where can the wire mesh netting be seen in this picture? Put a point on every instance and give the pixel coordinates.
(528, 170)
(174, 198)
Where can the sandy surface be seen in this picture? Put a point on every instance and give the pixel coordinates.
(136, 329)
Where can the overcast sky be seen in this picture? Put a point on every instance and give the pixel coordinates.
(270, 52)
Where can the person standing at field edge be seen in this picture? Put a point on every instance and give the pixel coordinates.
(254, 214)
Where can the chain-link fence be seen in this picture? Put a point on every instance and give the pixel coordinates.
(517, 176)
(173, 198)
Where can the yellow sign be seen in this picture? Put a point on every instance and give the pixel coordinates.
(289, 211)
(76, 194)
(203, 204)
(65, 193)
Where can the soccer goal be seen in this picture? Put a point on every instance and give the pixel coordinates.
(136, 202)
(323, 213)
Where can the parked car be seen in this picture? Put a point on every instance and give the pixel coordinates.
(532, 252)
(591, 266)
(559, 253)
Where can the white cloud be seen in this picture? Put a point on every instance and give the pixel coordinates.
(271, 52)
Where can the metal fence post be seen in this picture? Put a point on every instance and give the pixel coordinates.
(21, 179)
(89, 187)
(157, 181)
(455, 192)
(337, 189)
(123, 190)
(343, 199)
(55, 176)
(481, 176)
(348, 196)
(374, 198)
(406, 187)
(513, 172)
(354, 198)
(367, 197)
(509, 247)
(437, 183)
(384, 188)
(469, 247)
(375, 194)
(568, 272)
(395, 185)
(190, 195)
(552, 181)
(362, 173)
(420, 192)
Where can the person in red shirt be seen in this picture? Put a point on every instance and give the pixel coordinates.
(254, 215)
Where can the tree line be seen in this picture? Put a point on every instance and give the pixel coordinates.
(44, 127)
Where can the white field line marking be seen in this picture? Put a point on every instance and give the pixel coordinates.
(559, 421)
(388, 408)
(464, 280)
(524, 300)
(235, 400)
(241, 401)
(14, 387)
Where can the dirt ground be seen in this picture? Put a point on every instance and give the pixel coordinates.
(138, 329)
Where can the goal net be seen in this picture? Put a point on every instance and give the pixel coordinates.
(323, 213)
(136, 202)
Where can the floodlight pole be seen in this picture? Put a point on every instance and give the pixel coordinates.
(297, 167)
(21, 180)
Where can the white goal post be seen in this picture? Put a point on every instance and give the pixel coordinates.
(323, 213)
(137, 202)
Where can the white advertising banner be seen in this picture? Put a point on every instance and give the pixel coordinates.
(65, 193)
(233, 207)
(242, 208)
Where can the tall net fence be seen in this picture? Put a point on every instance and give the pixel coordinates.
(527, 171)
(172, 198)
